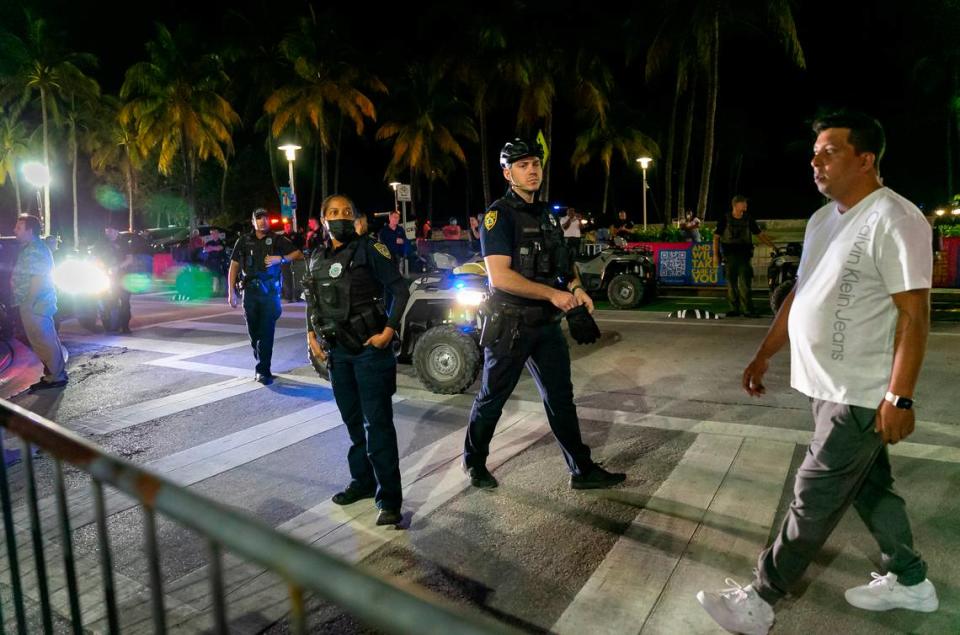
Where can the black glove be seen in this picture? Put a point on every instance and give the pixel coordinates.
(583, 328)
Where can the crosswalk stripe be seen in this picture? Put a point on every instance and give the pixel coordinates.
(729, 539)
(219, 327)
(169, 347)
(625, 587)
(432, 476)
(164, 406)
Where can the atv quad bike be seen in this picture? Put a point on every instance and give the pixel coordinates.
(627, 277)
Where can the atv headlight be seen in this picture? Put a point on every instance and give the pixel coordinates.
(470, 297)
(81, 277)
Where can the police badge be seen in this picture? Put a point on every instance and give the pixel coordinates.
(269, 241)
(490, 219)
(335, 270)
(379, 246)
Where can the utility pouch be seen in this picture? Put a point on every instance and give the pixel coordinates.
(328, 295)
(346, 338)
(545, 262)
(509, 337)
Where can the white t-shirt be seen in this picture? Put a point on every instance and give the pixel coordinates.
(842, 321)
(574, 230)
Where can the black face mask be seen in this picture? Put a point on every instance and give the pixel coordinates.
(341, 230)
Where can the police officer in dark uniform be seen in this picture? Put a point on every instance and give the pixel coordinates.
(259, 256)
(534, 283)
(349, 327)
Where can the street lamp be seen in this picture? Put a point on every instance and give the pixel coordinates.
(644, 164)
(38, 176)
(396, 202)
(290, 150)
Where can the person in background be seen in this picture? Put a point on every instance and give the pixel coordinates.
(474, 233)
(213, 258)
(623, 226)
(290, 284)
(690, 226)
(117, 258)
(315, 234)
(451, 231)
(393, 236)
(734, 239)
(360, 225)
(571, 231)
(36, 299)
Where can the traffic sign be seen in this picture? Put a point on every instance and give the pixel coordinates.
(403, 193)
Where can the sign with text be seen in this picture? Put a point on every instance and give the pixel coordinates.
(403, 193)
(288, 202)
(691, 265)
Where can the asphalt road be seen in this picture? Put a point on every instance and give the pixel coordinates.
(709, 476)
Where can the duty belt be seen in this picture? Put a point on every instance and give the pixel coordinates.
(529, 315)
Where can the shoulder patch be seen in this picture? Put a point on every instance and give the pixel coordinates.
(379, 246)
(490, 219)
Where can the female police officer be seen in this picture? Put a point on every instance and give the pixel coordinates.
(347, 325)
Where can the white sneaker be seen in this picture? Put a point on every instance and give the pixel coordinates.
(738, 609)
(885, 593)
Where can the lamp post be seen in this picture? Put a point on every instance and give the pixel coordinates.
(644, 164)
(395, 185)
(290, 150)
(38, 176)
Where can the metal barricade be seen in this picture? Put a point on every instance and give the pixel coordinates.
(371, 599)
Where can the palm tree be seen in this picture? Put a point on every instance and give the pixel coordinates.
(538, 89)
(13, 146)
(327, 84)
(80, 116)
(689, 41)
(40, 64)
(175, 104)
(427, 124)
(606, 138)
(114, 145)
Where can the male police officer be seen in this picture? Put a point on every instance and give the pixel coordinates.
(259, 256)
(533, 284)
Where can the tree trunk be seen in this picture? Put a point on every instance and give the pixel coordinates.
(188, 180)
(606, 191)
(713, 81)
(271, 149)
(668, 158)
(324, 186)
(430, 195)
(16, 191)
(313, 181)
(336, 160)
(545, 190)
(46, 163)
(76, 209)
(685, 154)
(129, 197)
(414, 190)
(223, 191)
(484, 158)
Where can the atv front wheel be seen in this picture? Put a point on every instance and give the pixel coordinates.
(779, 294)
(446, 360)
(625, 291)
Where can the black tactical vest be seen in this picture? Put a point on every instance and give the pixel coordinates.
(346, 301)
(252, 259)
(737, 231)
(540, 254)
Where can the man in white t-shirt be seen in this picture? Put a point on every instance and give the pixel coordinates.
(571, 231)
(857, 323)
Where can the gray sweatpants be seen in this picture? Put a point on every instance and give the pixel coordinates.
(847, 463)
(44, 341)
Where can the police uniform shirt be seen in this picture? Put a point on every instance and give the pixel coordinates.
(500, 235)
(249, 252)
(369, 280)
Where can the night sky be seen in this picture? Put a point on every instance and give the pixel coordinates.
(861, 55)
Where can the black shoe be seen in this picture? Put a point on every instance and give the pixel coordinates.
(597, 478)
(351, 495)
(733, 314)
(480, 477)
(43, 384)
(265, 379)
(389, 517)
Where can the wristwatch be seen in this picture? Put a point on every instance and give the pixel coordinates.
(904, 403)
